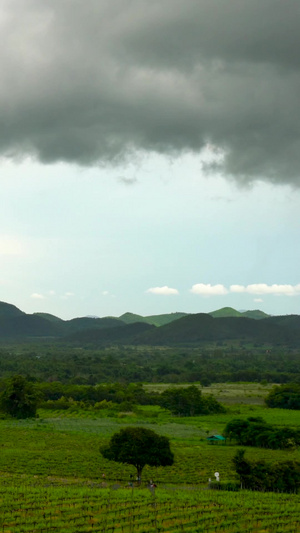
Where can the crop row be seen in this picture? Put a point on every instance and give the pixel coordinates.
(25, 508)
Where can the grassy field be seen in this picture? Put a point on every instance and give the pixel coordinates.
(51, 474)
(227, 393)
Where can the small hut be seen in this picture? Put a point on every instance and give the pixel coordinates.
(216, 439)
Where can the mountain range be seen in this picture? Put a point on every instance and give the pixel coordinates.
(226, 324)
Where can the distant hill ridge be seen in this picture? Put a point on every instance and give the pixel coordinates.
(48, 316)
(230, 312)
(155, 320)
(224, 324)
(199, 329)
(9, 310)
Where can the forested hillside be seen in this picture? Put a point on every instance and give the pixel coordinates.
(226, 326)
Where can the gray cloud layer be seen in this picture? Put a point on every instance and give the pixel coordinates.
(94, 81)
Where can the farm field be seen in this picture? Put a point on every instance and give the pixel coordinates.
(28, 508)
(51, 475)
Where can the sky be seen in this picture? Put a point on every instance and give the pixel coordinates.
(150, 156)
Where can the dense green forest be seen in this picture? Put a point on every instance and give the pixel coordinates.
(53, 362)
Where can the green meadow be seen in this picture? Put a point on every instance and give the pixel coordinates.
(227, 393)
(53, 477)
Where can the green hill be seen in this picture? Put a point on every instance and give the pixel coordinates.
(287, 321)
(161, 320)
(86, 323)
(125, 334)
(48, 316)
(131, 318)
(9, 310)
(23, 326)
(155, 320)
(256, 314)
(230, 312)
(203, 328)
(225, 312)
(171, 329)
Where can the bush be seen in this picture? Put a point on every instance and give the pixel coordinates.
(256, 432)
(259, 475)
(284, 396)
(230, 486)
(19, 398)
(188, 401)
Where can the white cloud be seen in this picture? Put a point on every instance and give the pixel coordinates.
(258, 300)
(208, 289)
(37, 296)
(67, 295)
(255, 288)
(237, 288)
(107, 293)
(263, 288)
(163, 290)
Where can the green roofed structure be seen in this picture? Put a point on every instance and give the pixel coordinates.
(216, 439)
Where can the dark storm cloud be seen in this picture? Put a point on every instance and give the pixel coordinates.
(92, 82)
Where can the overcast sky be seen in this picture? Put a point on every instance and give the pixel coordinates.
(150, 156)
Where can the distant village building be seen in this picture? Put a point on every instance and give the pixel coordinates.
(216, 439)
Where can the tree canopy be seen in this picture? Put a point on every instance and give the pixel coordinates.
(188, 401)
(127, 364)
(19, 398)
(138, 447)
(285, 397)
(260, 475)
(256, 432)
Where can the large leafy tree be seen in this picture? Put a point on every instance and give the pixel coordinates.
(19, 398)
(139, 447)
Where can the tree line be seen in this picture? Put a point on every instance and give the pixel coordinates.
(259, 475)
(20, 398)
(256, 432)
